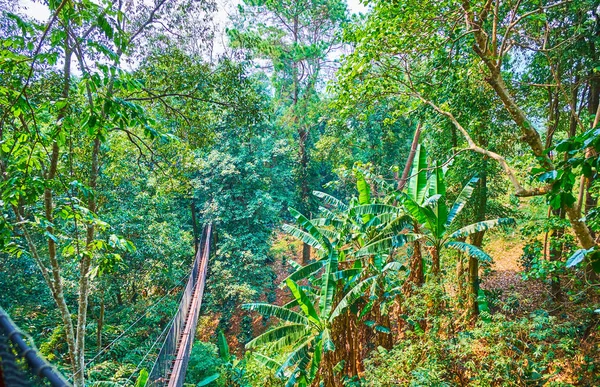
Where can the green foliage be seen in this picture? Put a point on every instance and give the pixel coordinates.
(204, 363)
(529, 353)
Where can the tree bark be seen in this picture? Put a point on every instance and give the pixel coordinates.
(411, 157)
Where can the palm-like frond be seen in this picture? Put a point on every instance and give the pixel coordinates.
(460, 201)
(437, 186)
(470, 250)
(310, 228)
(364, 194)
(304, 271)
(303, 236)
(437, 183)
(224, 353)
(375, 209)
(364, 191)
(347, 274)
(328, 285)
(352, 296)
(276, 311)
(332, 201)
(384, 245)
(397, 225)
(266, 361)
(299, 352)
(482, 226)
(291, 332)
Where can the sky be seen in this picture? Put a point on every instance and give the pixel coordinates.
(40, 11)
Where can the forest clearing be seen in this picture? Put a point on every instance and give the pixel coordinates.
(310, 193)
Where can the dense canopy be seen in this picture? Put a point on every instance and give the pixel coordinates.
(403, 193)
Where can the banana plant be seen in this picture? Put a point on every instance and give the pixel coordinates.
(435, 219)
(304, 335)
(343, 229)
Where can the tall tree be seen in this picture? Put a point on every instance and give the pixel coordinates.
(298, 38)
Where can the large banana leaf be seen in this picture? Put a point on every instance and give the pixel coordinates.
(352, 296)
(303, 236)
(266, 361)
(276, 311)
(437, 186)
(299, 352)
(328, 344)
(304, 302)
(310, 228)
(304, 271)
(336, 203)
(423, 215)
(328, 285)
(482, 226)
(437, 183)
(460, 201)
(375, 209)
(417, 184)
(397, 225)
(470, 250)
(347, 274)
(290, 332)
(364, 191)
(364, 194)
(385, 245)
(224, 353)
(316, 359)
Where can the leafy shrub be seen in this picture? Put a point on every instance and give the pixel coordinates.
(498, 353)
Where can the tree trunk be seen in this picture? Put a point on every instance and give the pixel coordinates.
(416, 278)
(435, 262)
(100, 323)
(411, 157)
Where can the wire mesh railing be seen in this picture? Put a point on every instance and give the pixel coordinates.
(171, 364)
(20, 363)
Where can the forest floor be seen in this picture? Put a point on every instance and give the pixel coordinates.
(503, 279)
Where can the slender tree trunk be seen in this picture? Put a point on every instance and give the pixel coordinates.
(100, 323)
(57, 281)
(194, 223)
(416, 278)
(411, 157)
(435, 262)
(530, 136)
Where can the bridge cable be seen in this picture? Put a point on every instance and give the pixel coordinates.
(145, 312)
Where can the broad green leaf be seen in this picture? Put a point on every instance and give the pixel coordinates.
(303, 236)
(352, 296)
(305, 271)
(142, 378)
(266, 361)
(208, 380)
(470, 250)
(482, 226)
(223, 346)
(276, 311)
(460, 201)
(275, 334)
(336, 203)
(304, 302)
(329, 284)
(417, 183)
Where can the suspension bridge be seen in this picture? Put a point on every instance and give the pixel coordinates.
(22, 365)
